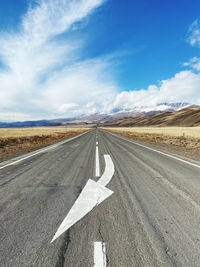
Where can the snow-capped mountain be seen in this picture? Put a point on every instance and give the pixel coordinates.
(132, 112)
(100, 117)
(155, 108)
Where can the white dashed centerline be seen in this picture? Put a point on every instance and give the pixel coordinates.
(99, 254)
(97, 162)
(90, 197)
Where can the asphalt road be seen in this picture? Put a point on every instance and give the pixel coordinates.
(152, 219)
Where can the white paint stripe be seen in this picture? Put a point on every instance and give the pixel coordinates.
(40, 151)
(109, 171)
(96, 143)
(99, 254)
(97, 162)
(160, 152)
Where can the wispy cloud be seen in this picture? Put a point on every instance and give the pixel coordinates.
(193, 63)
(44, 73)
(194, 33)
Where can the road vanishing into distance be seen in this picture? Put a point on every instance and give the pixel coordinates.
(99, 200)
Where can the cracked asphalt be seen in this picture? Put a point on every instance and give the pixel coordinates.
(152, 219)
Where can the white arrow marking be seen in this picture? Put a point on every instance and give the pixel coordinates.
(91, 196)
(108, 173)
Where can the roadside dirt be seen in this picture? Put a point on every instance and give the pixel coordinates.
(11, 147)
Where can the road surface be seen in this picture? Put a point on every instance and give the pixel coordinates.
(151, 219)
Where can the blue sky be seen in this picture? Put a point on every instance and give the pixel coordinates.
(65, 58)
(153, 32)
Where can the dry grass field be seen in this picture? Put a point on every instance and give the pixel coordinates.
(181, 138)
(17, 139)
(39, 131)
(187, 132)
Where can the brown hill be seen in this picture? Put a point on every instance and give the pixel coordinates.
(184, 117)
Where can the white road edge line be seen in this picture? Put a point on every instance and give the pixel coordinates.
(99, 254)
(160, 152)
(41, 151)
(97, 162)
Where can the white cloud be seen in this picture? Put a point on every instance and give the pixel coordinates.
(183, 87)
(45, 77)
(194, 63)
(43, 71)
(194, 32)
(9, 116)
(85, 82)
(67, 107)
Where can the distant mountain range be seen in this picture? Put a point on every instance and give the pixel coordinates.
(101, 118)
(186, 117)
